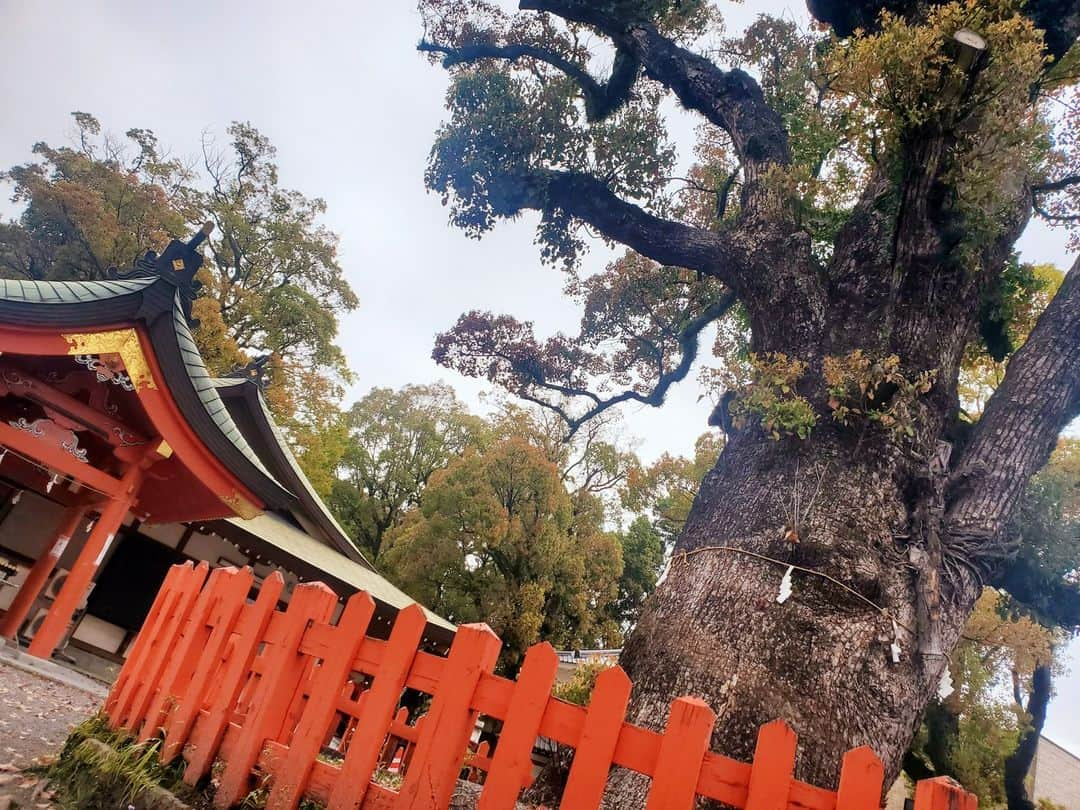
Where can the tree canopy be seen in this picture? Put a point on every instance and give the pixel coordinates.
(849, 225)
(272, 284)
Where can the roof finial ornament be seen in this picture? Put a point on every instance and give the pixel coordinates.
(177, 266)
(256, 371)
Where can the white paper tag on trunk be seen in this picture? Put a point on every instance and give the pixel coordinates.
(945, 686)
(785, 586)
(894, 648)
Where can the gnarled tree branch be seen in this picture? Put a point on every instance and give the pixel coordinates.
(1039, 396)
(601, 100)
(664, 241)
(688, 348)
(1058, 19)
(731, 99)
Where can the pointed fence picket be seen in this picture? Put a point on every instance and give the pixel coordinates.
(313, 709)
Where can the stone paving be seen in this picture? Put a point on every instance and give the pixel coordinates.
(36, 714)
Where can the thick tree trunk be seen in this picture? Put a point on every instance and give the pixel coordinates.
(822, 659)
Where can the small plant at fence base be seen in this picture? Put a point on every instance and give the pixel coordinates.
(101, 767)
(248, 692)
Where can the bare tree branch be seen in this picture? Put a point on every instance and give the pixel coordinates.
(688, 346)
(665, 241)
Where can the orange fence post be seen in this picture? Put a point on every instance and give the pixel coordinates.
(861, 778)
(142, 640)
(594, 751)
(291, 780)
(773, 766)
(682, 749)
(161, 653)
(209, 729)
(377, 711)
(942, 793)
(511, 767)
(311, 601)
(184, 655)
(147, 641)
(429, 781)
(223, 618)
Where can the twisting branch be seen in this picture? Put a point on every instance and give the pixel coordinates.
(601, 100)
(1056, 185)
(1039, 396)
(664, 241)
(1049, 188)
(688, 348)
(731, 99)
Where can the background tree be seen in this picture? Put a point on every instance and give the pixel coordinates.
(972, 733)
(667, 487)
(860, 235)
(395, 441)
(495, 540)
(272, 284)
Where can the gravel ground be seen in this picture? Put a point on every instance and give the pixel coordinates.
(36, 715)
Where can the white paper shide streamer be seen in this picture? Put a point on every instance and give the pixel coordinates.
(945, 685)
(785, 585)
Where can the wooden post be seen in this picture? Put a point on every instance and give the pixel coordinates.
(440, 751)
(137, 652)
(377, 710)
(223, 618)
(596, 748)
(861, 777)
(290, 780)
(942, 793)
(160, 652)
(210, 729)
(45, 564)
(511, 767)
(132, 674)
(311, 601)
(183, 654)
(773, 766)
(93, 552)
(682, 750)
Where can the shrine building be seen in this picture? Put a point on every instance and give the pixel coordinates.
(120, 456)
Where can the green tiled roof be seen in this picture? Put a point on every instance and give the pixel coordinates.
(281, 534)
(68, 292)
(207, 390)
(282, 442)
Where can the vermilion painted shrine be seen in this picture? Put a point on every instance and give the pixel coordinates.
(121, 456)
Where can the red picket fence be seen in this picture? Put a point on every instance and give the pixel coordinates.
(264, 693)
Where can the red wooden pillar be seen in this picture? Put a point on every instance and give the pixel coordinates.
(35, 580)
(93, 552)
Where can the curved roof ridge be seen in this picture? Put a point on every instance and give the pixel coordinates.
(207, 391)
(68, 292)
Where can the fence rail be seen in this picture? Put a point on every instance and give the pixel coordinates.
(312, 708)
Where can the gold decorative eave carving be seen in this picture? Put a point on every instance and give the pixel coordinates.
(122, 343)
(241, 506)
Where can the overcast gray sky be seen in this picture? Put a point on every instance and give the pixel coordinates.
(351, 107)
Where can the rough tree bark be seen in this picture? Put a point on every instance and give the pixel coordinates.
(896, 538)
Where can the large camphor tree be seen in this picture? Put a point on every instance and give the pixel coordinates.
(854, 210)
